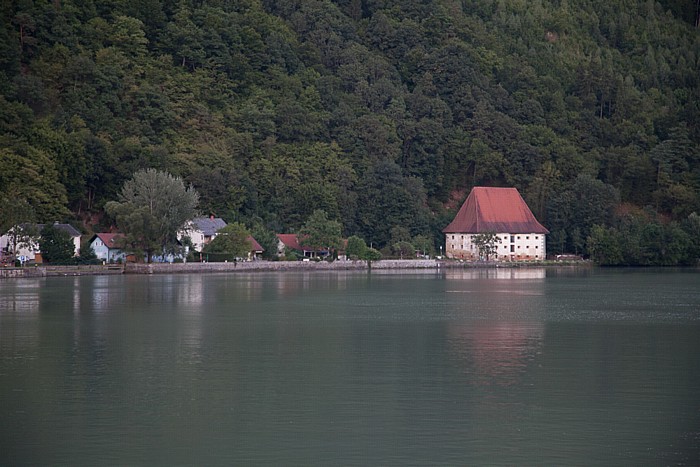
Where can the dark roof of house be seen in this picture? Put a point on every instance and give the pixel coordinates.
(290, 241)
(109, 239)
(254, 244)
(500, 210)
(67, 228)
(208, 225)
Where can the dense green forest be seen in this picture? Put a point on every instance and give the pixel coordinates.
(382, 113)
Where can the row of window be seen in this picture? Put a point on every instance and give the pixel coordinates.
(512, 238)
(512, 247)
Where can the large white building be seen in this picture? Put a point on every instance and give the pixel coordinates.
(30, 249)
(501, 211)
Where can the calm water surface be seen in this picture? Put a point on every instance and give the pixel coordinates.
(475, 367)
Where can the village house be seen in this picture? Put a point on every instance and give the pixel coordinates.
(30, 250)
(107, 247)
(202, 230)
(256, 250)
(291, 241)
(501, 211)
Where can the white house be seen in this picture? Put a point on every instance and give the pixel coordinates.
(107, 247)
(501, 211)
(30, 249)
(202, 230)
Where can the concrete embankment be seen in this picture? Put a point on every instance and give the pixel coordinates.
(261, 266)
(54, 271)
(174, 268)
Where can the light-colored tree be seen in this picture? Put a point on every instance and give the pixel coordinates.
(17, 221)
(319, 232)
(356, 247)
(233, 240)
(153, 206)
(486, 244)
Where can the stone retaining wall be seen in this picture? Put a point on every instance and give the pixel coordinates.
(52, 271)
(253, 266)
(250, 266)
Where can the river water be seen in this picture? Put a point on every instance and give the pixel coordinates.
(467, 367)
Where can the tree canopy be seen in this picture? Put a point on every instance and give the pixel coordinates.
(153, 207)
(382, 114)
(232, 240)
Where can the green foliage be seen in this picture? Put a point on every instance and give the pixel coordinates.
(14, 211)
(320, 233)
(604, 246)
(267, 239)
(22, 236)
(232, 240)
(424, 245)
(573, 212)
(486, 243)
(356, 247)
(371, 254)
(403, 250)
(56, 246)
(371, 111)
(153, 206)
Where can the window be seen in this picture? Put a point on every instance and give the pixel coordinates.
(518, 247)
(535, 237)
(512, 248)
(527, 238)
(512, 239)
(536, 247)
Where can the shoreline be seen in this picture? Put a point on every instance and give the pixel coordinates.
(270, 266)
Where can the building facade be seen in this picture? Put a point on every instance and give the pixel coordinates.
(29, 249)
(107, 247)
(500, 211)
(202, 230)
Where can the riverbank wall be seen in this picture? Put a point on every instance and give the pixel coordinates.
(56, 271)
(252, 266)
(265, 266)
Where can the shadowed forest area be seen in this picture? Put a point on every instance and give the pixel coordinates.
(381, 113)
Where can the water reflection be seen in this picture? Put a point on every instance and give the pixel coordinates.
(502, 366)
(499, 329)
(495, 273)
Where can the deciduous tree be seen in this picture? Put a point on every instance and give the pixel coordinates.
(153, 206)
(486, 243)
(56, 245)
(233, 240)
(320, 232)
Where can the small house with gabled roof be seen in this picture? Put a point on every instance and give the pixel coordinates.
(501, 211)
(202, 230)
(108, 247)
(256, 250)
(291, 241)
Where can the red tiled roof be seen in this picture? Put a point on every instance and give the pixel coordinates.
(254, 244)
(111, 240)
(290, 241)
(500, 210)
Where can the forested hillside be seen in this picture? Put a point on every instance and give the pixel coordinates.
(383, 113)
